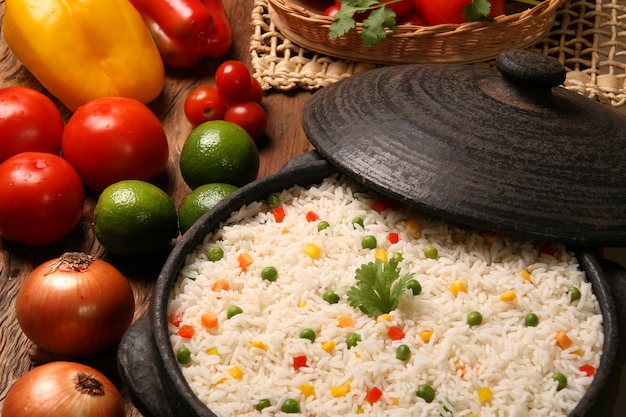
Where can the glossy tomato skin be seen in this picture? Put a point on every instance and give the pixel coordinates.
(41, 198)
(250, 116)
(115, 138)
(233, 80)
(436, 12)
(401, 8)
(204, 104)
(29, 121)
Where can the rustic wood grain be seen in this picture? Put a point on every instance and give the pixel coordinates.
(285, 139)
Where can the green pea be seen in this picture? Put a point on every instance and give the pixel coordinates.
(183, 355)
(415, 286)
(272, 201)
(290, 406)
(357, 221)
(403, 352)
(264, 403)
(215, 253)
(426, 392)
(574, 293)
(308, 334)
(322, 225)
(369, 242)
(431, 252)
(397, 257)
(269, 273)
(561, 380)
(330, 297)
(233, 311)
(352, 340)
(474, 318)
(531, 320)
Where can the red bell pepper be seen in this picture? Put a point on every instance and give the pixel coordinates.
(186, 31)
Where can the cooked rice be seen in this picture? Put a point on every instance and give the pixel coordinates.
(515, 361)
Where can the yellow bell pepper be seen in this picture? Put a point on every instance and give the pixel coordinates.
(85, 49)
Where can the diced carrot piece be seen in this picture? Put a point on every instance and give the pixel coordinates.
(395, 333)
(393, 237)
(209, 320)
(563, 340)
(186, 331)
(244, 260)
(279, 214)
(373, 395)
(311, 216)
(346, 321)
(220, 285)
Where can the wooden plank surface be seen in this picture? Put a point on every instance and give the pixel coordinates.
(285, 139)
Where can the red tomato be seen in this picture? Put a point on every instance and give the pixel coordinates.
(29, 121)
(256, 91)
(332, 10)
(412, 19)
(41, 198)
(451, 11)
(250, 116)
(401, 7)
(204, 104)
(233, 80)
(112, 139)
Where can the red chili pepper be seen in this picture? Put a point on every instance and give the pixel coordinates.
(176, 318)
(279, 214)
(186, 331)
(374, 395)
(393, 237)
(395, 333)
(186, 31)
(311, 216)
(299, 362)
(588, 369)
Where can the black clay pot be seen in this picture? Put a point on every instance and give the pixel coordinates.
(393, 130)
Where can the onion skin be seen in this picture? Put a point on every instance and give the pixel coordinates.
(65, 389)
(75, 305)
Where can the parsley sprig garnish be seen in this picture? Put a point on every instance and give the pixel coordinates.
(380, 18)
(378, 288)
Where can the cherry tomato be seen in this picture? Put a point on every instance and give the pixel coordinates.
(112, 139)
(412, 19)
(402, 7)
(41, 198)
(204, 104)
(29, 121)
(451, 11)
(256, 91)
(233, 80)
(332, 10)
(250, 116)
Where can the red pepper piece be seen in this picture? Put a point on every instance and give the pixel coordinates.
(393, 237)
(395, 333)
(374, 395)
(299, 362)
(588, 369)
(279, 214)
(311, 216)
(176, 318)
(187, 331)
(186, 31)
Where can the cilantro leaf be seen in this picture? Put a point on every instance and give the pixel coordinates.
(378, 19)
(378, 289)
(477, 11)
(375, 24)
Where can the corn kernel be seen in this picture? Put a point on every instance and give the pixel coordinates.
(307, 390)
(384, 316)
(221, 381)
(302, 304)
(456, 287)
(212, 351)
(381, 254)
(507, 296)
(425, 335)
(259, 345)
(340, 391)
(312, 250)
(484, 394)
(490, 237)
(394, 400)
(412, 227)
(525, 275)
(235, 372)
(328, 345)
(473, 415)
(578, 352)
(360, 410)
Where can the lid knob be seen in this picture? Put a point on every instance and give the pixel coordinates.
(530, 69)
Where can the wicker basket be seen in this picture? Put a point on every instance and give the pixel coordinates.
(464, 43)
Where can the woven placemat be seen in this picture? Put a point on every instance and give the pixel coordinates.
(588, 38)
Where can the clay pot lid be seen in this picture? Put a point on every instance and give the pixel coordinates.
(504, 149)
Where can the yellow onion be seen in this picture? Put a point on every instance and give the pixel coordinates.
(65, 389)
(75, 305)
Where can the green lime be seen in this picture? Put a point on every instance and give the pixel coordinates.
(219, 151)
(134, 218)
(201, 200)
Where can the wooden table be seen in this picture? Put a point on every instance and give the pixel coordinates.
(285, 139)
